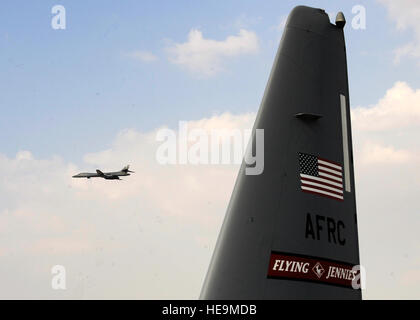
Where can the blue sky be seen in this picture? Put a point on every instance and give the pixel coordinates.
(67, 92)
(95, 94)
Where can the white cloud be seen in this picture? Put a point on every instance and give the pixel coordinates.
(400, 107)
(204, 57)
(411, 278)
(387, 168)
(24, 155)
(374, 153)
(406, 15)
(404, 12)
(148, 236)
(152, 234)
(143, 56)
(387, 133)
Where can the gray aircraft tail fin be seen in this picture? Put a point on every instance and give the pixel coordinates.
(126, 169)
(99, 172)
(291, 231)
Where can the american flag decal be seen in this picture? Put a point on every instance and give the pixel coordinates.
(320, 176)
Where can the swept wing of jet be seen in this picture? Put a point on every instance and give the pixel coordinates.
(106, 175)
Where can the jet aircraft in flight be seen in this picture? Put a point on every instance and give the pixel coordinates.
(106, 175)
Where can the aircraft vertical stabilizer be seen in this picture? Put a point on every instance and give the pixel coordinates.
(291, 232)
